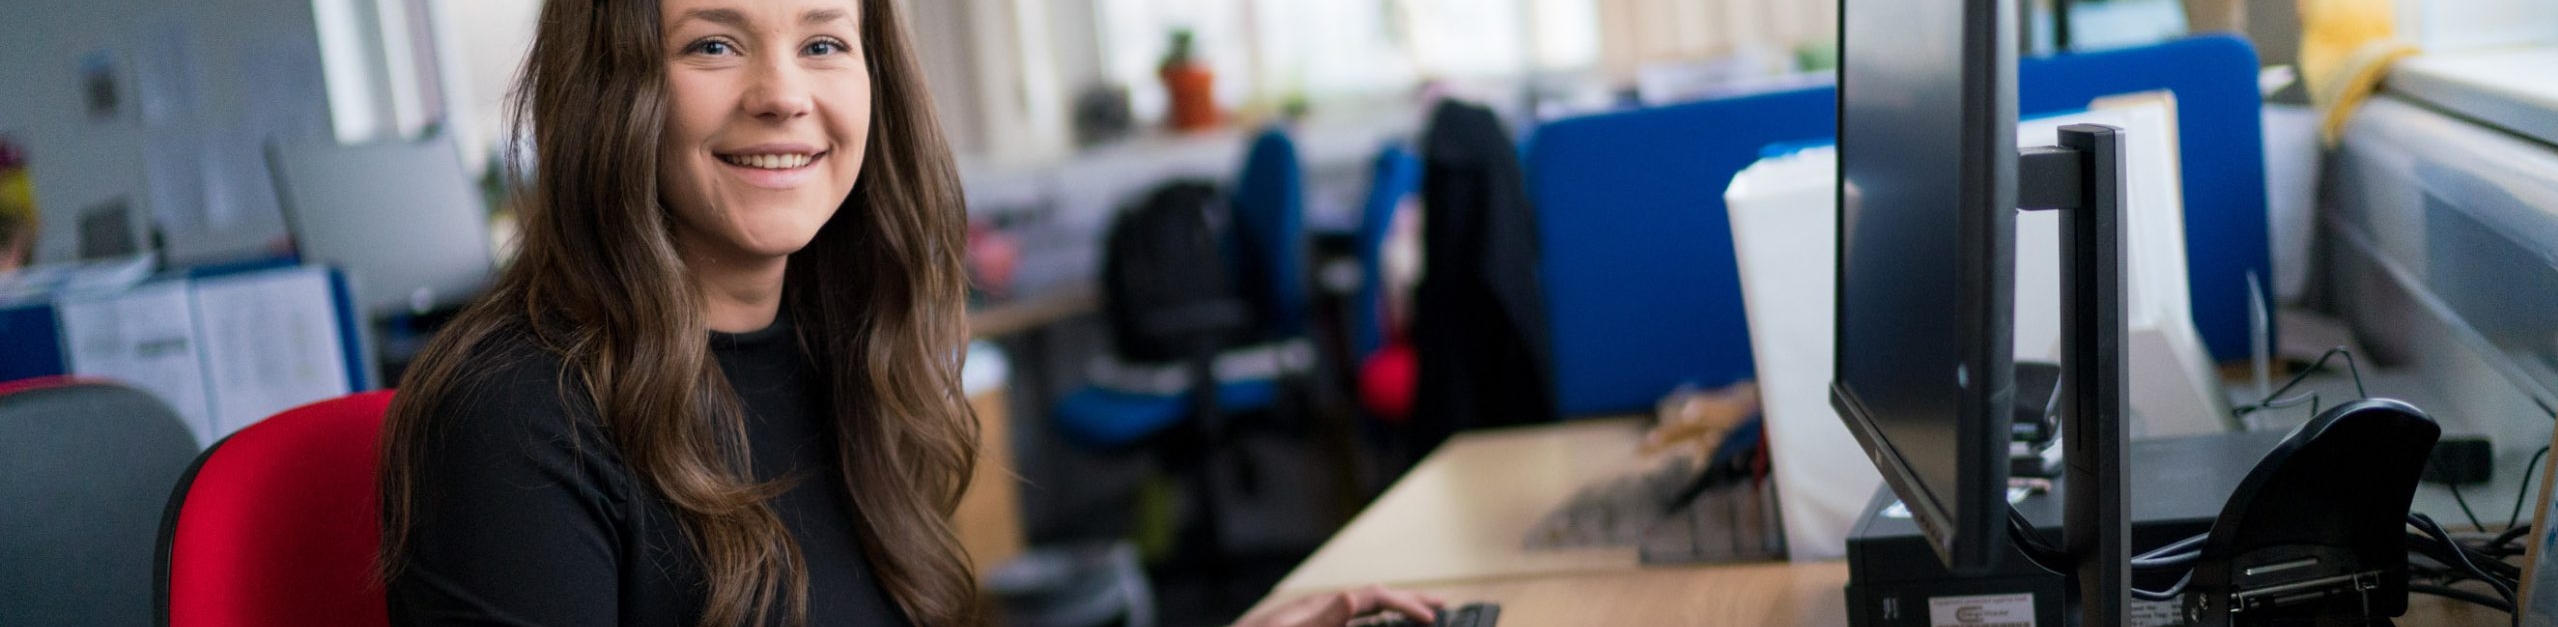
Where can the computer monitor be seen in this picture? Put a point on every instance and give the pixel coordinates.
(401, 218)
(1929, 182)
(1927, 202)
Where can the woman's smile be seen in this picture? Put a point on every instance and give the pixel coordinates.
(775, 166)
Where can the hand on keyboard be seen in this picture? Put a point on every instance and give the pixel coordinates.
(1471, 615)
(1340, 609)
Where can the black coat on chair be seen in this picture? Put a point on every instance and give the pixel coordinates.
(1479, 325)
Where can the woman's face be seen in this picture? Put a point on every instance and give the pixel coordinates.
(771, 108)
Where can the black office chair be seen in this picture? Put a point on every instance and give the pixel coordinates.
(1172, 310)
(85, 473)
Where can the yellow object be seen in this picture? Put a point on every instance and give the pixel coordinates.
(17, 197)
(2346, 48)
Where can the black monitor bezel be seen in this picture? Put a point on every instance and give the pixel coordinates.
(1988, 74)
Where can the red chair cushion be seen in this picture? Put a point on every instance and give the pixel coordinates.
(1386, 382)
(279, 524)
(43, 383)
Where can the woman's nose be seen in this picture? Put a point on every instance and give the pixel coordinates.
(778, 92)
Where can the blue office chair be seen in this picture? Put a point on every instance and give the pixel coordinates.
(1264, 250)
(1173, 313)
(1382, 382)
(1268, 235)
(1180, 331)
(1395, 176)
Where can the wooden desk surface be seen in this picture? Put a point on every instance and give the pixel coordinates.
(1455, 527)
(1031, 311)
(1772, 594)
(1464, 512)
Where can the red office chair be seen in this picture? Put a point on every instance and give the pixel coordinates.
(277, 525)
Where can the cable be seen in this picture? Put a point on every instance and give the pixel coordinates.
(2275, 399)
(2354, 369)
(2170, 562)
(2040, 550)
(2509, 536)
(2180, 545)
(2516, 517)
(2180, 553)
(2464, 507)
(2170, 594)
(2427, 524)
(2457, 594)
(2028, 541)
(2430, 548)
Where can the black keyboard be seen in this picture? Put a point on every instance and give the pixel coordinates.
(1469, 615)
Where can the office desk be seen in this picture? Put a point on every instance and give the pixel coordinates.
(1463, 512)
(988, 521)
(1455, 527)
(1031, 311)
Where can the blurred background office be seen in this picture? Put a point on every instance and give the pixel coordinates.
(1428, 217)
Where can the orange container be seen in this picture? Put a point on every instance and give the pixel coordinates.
(1194, 97)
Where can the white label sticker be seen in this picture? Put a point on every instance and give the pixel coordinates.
(1988, 610)
(2155, 614)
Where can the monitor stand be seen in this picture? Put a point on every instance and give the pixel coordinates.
(2084, 179)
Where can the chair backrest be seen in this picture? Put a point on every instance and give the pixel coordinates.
(85, 469)
(1165, 288)
(1268, 233)
(278, 525)
(1395, 176)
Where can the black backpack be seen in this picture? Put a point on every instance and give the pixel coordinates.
(1165, 288)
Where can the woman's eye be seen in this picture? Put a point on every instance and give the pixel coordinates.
(823, 48)
(714, 47)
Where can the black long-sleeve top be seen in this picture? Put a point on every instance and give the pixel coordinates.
(527, 516)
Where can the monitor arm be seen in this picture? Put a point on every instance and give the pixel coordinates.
(2084, 179)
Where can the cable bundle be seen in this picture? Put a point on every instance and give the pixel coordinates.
(2453, 561)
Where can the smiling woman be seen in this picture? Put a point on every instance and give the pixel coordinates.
(719, 385)
(763, 105)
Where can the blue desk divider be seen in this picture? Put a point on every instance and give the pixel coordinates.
(1636, 252)
(1641, 284)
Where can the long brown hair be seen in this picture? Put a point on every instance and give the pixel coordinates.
(878, 298)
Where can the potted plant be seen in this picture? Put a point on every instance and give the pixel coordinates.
(1192, 85)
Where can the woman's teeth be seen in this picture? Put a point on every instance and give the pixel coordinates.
(768, 162)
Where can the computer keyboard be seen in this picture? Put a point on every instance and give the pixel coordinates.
(1616, 511)
(1469, 615)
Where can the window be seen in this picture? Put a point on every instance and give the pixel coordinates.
(1135, 34)
(1264, 50)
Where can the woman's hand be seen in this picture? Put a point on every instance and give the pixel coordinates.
(1339, 608)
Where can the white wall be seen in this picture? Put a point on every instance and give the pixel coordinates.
(487, 40)
(228, 71)
(940, 29)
